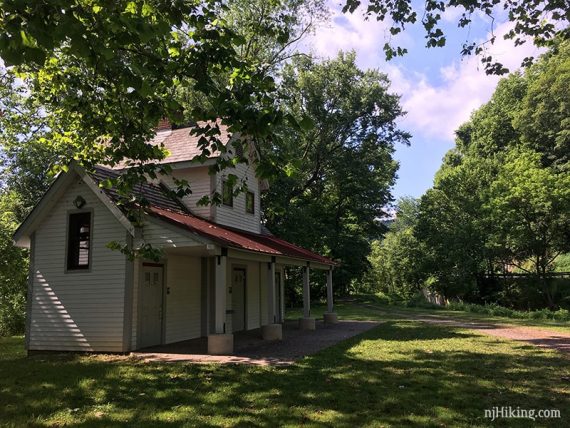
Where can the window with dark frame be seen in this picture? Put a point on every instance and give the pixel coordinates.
(227, 194)
(250, 202)
(79, 241)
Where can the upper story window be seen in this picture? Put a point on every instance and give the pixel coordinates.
(227, 194)
(79, 241)
(250, 202)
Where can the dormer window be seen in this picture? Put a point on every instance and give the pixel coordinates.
(227, 194)
(79, 241)
(250, 202)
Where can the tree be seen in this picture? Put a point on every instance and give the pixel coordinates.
(544, 119)
(495, 202)
(453, 226)
(111, 69)
(530, 204)
(13, 269)
(397, 259)
(544, 22)
(332, 182)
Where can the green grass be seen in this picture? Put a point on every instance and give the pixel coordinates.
(402, 373)
(370, 307)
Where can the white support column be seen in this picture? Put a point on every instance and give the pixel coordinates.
(220, 343)
(306, 293)
(273, 330)
(329, 291)
(330, 317)
(271, 293)
(220, 296)
(306, 323)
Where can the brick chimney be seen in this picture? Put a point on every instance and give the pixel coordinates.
(163, 124)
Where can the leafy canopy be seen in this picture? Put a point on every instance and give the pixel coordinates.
(541, 21)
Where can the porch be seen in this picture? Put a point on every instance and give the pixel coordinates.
(250, 348)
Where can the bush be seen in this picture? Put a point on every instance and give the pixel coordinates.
(499, 311)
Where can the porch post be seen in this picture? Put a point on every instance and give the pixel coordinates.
(220, 342)
(221, 280)
(306, 293)
(271, 292)
(329, 291)
(273, 330)
(330, 317)
(307, 323)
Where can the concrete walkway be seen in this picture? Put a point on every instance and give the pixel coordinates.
(251, 349)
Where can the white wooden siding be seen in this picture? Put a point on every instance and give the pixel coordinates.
(200, 184)
(80, 310)
(183, 316)
(236, 216)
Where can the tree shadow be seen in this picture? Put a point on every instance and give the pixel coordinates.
(400, 373)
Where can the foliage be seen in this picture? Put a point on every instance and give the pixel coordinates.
(530, 206)
(501, 198)
(13, 268)
(500, 311)
(543, 22)
(108, 71)
(273, 28)
(562, 263)
(332, 181)
(544, 119)
(396, 260)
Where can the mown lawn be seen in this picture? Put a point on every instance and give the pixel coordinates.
(386, 310)
(402, 373)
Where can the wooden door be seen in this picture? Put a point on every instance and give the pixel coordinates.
(151, 306)
(238, 299)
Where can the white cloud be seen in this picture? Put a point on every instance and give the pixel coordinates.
(436, 110)
(436, 104)
(352, 31)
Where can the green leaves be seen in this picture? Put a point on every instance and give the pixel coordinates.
(543, 22)
(334, 168)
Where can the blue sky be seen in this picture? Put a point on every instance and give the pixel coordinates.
(438, 88)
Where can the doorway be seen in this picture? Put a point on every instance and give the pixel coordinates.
(238, 299)
(150, 331)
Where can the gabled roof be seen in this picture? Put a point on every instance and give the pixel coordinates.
(167, 208)
(22, 235)
(183, 145)
(238, 239)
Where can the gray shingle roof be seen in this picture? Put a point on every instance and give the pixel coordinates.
(153, 194)
(182, 145)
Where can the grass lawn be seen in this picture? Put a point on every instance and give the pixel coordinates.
(369, 307)
(402, 373)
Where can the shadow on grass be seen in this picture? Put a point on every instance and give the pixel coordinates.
(400, 373)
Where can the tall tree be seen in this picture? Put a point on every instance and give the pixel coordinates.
(397, 259)
(530, 205)
(333, 181)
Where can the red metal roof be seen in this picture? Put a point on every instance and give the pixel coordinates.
(238, 239)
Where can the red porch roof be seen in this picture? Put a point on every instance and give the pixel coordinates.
(238, 239)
